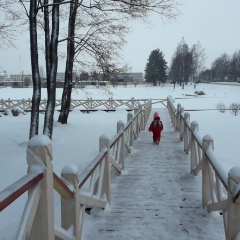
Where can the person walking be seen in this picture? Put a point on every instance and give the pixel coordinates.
(156, 128)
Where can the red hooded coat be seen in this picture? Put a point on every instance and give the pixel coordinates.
(156, 128)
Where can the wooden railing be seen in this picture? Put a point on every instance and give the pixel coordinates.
(84, 104)
(78, 191)
(220, 191)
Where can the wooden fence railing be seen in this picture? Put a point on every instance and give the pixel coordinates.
(220, 191)
(78, 191)
(84, 104)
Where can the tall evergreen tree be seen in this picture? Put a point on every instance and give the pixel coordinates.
(156, 67)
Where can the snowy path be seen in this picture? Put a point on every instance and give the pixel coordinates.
(156, 197)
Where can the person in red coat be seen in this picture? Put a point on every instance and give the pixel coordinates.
(156, 128)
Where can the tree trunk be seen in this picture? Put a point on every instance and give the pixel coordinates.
(36, 97)
(67, 90)
(52, 55)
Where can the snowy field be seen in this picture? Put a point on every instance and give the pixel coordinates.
(77, 142)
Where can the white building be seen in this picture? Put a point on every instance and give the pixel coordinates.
(130, 77)
(3, 76)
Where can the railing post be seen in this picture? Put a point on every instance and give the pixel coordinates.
(2, 103)
(207, 142)
(169, 107)
(132, 103)
(178, 117)
(9, 103)
(130, 118)
(150, 108)
(233, 209)
(23, 104)
(193, 146)
(110, 101)
(120, 127)
(186, 132)
(174, 117)
(181, 123)
(89, 103)
(136, 122)
(39, 154)
(106, 187)
(70, 207)
(140, 119)
(135, 110)
(29, 103)
(144, 119)
(45, 103)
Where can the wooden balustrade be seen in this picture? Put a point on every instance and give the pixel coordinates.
(81, 104)
(78, 190)
(220, 191)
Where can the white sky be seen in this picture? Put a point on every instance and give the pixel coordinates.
(71, 141)
(214, 23)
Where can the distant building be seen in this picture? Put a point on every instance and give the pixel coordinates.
(130, 77)
(18, 80)
(3, 76)
(61, 76)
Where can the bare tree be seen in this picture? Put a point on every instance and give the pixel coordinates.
(107, 24)
(11, 22)
(51, 29)
(51, 49)
(234, 108)
(234, 68)
(182, 63)
(221, 107)
(220, 67)
(27, 81)
(199, 56)
(104, 36)
(36, 97)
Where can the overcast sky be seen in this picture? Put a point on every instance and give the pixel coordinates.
(213, 23)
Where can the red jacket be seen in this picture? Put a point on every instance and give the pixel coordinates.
(156, 126)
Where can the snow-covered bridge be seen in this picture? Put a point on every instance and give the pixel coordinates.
(147, 191)
(156, 197)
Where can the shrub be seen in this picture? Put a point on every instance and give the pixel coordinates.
(17, 110)
(199, 92)
(234, 108)
(7, 111)
(221, 107)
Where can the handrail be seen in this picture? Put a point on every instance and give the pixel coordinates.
(15, 190)
(217, 168)
(75, 198)
(61, 187)
(91, 167)
(82, 104)
(220, 191)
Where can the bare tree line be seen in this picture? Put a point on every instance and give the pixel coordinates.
(187, 64)
(96, 29)
(225, 68)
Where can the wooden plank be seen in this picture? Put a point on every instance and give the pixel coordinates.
(15, 190)
(92, 201)
(29, 213)
(61, 187)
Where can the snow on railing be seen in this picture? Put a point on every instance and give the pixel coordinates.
(79, 191)
(89, 104)
(220, 191)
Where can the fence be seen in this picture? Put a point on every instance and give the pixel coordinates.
(220, 191)
(84, 104)
(89, 189)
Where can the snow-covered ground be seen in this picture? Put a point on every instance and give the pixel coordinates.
(77, 142)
